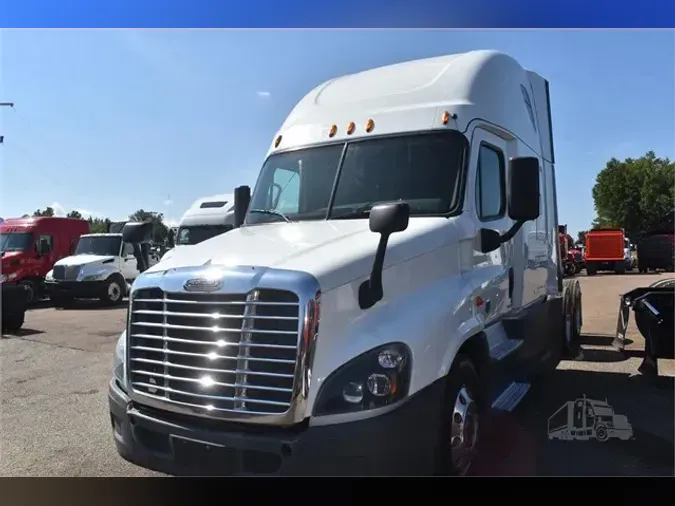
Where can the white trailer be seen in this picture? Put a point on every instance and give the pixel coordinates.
(397, 274)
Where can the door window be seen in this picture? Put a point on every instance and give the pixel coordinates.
(45, 244)
(490, 184)
(127, 250)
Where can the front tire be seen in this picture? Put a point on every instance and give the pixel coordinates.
(113, 292)
(13, 322)
(463, 408)
(31, 291)
(601, 433)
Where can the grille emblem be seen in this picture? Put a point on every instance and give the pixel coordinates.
(201, 285)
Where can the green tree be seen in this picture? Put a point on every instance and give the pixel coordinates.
(634, 194)
(49, 211)
(159, 230)
(98, 225)
(581, 237)
(74, 214)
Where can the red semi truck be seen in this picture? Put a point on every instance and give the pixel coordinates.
(29, 247)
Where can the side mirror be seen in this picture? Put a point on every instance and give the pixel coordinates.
(487, 240)
(523, 189)
(137, 232)
(242, 198)
(385, 219)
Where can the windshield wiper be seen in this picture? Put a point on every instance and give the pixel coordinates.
(356, 212)
(272, 212)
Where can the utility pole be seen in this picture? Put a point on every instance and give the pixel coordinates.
(5, 104)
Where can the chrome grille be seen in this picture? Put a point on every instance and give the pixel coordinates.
(66, 272)
(213, 351)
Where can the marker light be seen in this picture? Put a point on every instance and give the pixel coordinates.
(277, 141)
(370, 125)
(333, 131)
(445, 118)
(350, 128)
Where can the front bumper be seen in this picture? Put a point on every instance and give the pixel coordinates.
(76, 289)
(403, 441)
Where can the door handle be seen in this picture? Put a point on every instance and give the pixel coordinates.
(510, 282)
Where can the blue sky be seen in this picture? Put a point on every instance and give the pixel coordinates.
(108, 122)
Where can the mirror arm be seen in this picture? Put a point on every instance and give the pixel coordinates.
(371, 290)
(510, 233)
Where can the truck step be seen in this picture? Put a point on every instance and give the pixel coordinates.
(511, 396)
(505, 348)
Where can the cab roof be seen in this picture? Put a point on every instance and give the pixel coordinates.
(212, 210)
(412, 96)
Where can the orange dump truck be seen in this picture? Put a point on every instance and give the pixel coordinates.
(605, 251)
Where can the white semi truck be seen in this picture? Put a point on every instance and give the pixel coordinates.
(206, 218)
(383, 287)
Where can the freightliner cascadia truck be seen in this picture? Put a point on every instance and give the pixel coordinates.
(385, 285)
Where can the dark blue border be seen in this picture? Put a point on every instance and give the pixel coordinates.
(336, 14)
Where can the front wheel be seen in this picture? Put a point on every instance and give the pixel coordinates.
(601, 433)
(13, 321)
(462, 412)
(113, 292)
(31, 291)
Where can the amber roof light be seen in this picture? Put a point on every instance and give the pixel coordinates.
(350, 128)
(332, 131)
(277, 141)
(370, 125)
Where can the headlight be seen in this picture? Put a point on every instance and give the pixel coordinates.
(119, 369)
(377, 378)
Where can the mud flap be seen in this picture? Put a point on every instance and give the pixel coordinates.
(622, 324)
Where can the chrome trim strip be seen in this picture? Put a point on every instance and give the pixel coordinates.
(242, 280)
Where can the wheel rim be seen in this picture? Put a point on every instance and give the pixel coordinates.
(577, 317)
(114, 292)
(30, 292)
(463, 431)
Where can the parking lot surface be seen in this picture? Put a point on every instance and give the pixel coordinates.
(54, 376)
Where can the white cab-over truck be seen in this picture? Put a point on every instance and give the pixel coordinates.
(384, 286)
(102, 267)
(206, 218)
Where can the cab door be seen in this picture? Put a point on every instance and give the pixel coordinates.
(492, 274)
(128, 262)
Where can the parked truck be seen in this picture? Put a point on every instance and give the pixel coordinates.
(206, 218)
(382, 288)
(605, 251)
(102, 266)
(29, 248)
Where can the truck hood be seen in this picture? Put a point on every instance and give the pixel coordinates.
(335, 252)
(11, 255)
(83, 259)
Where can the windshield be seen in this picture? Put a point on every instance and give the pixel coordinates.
(99, 245)
(11, 241)
(195, 234)
(421, 169)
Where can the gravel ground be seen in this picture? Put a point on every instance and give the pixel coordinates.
(54, 375)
